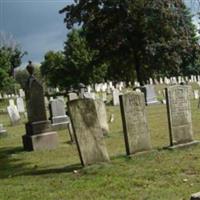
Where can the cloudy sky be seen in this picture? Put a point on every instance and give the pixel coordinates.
(35, 24)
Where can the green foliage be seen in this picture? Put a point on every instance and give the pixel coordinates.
(77, 64)
(142, 36)
(81, 65)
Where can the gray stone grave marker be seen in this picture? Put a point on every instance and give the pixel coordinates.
(39, 134)
(88, 134)
(115, 96)
(20, 105)
(179, 116)
(136, 134)
(13, 114)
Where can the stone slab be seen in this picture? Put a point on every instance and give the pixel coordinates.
(42, 141)
(88, 133)
(38, 127)
(195, 142)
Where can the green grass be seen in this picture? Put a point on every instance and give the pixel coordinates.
(160, 174)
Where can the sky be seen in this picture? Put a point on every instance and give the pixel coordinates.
(36, 25)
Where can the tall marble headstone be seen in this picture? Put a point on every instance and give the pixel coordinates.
(39, 134)
(136, 134)
(88, 133)
(179, 115)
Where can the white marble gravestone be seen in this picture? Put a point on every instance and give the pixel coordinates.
(13, 114)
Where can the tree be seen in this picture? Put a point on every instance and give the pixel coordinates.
(81, 64)
(10, 59)
(76, 64)
(148, 37)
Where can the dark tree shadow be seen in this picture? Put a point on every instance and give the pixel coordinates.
(11, 165)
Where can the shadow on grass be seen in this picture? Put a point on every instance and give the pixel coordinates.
(66, 169)
(11, 165)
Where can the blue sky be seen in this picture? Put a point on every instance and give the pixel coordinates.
(36, 25)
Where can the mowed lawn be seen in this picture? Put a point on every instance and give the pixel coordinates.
(58, 175)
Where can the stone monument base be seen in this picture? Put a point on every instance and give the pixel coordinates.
(59, 126)
(195, 142)
(40, 141)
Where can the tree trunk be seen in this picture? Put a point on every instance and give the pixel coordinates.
(138, 70)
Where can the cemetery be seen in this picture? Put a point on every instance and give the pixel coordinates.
(106, 108)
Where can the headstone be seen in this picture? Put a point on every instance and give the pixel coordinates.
(149, 94)
(11, 102)
(136, 134)
(20, 105)
(58, 116)
(2, 130)
(179, 115)
(13, 114)
(21, 93)
(72, 96)
(115, 96)
(102, 116)
(39, 134)
(88, 95)
(195, 196)
(88, 133)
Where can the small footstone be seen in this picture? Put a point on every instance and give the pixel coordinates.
(195, 196)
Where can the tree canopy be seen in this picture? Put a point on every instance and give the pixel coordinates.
(147, 37)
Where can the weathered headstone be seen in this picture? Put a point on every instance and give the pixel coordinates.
(102, 116)
(136, 134)
(21, 93)
(13, 114)
(88, 134)
(20, 105)
(39, 134)
(196, 94)
(179, 116)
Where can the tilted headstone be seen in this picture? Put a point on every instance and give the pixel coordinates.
(115, 96)
(13, 114)
(20, 105)
(179, 115)
(39, 134)
(136, 134)
(88, 134)
(102, 116)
